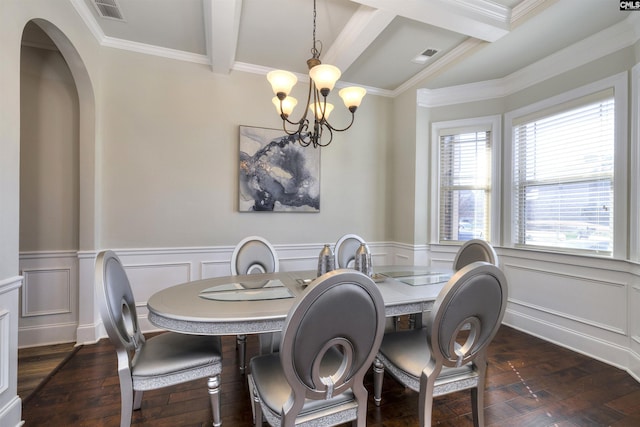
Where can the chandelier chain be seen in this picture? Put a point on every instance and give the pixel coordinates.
(314, 50)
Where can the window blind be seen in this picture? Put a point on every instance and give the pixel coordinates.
(563, 171)
(465, 185)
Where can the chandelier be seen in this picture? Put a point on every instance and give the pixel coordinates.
(322, 79)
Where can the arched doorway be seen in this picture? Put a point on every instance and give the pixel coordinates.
(49, 193)
(68, 269)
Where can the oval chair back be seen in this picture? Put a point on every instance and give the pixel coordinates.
(474, 300)
(117, 304)
(329, 341)
(252, 255)
(474, 250)
(345, 250)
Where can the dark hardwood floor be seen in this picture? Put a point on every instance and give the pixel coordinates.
(530, 383)
(36, 364)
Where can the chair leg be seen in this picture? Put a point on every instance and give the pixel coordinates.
(213, 385)
(378, 376)
(269, 342)
(360, 393)
(255, 402)
(137, 399)
(477, 407)
(126, 397)
(241, 343)
(477, 393)
(425, 403)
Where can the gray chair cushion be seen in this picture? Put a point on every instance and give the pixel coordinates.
(274, 389)
(410, 353)
(170, 352)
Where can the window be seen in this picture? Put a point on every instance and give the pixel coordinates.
(563, 172)
(465, 175)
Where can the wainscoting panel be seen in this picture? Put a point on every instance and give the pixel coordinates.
(4, 351)
(10, 403)
(147, 279)
(46, 292)
(577, 297)
(48, 298)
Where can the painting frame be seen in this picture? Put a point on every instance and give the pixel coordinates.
(276, 173)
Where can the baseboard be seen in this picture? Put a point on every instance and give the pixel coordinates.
(605, 351)
(90, 334)
(47, 334)
(11, 413)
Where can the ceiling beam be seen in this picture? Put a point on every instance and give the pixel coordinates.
(222, 25)
(481, 19)
(362, 29)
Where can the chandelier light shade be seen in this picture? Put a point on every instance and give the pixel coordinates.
(352, 96)
(325, 77)
(321, 110)
(282, 81)
(286, 106)
(322, 80)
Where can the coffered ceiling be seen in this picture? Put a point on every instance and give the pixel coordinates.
(373, 42)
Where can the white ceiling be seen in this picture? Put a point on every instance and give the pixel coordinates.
(371, 41)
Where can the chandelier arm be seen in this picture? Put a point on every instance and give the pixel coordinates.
(328, 125)
(319, 143)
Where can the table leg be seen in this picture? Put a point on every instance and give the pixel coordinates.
(241, 342)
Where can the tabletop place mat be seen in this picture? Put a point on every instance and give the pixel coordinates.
(430, 279)
(411, 273)
(257, 290)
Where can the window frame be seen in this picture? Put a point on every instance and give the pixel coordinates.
(491, 123)
(620, 167)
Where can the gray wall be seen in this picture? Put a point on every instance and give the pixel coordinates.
(169, 159)
(49, 162)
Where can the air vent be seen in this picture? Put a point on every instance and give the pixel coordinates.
(423, 57)
(108, 9)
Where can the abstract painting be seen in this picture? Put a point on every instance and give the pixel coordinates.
(276, 173)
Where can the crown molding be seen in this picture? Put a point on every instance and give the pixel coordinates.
(523, 11)
(462, 50)
(104, 40)
(608, 41)
(88, 19)
(163, 52)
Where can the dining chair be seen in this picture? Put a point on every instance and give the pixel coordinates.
(345, 255)
(449, 354)
(471, 251)
(329, 340)
(160, 361)
(253, 255)
(474, 250)
(345, 250)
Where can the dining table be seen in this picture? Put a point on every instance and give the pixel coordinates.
(259, 303)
